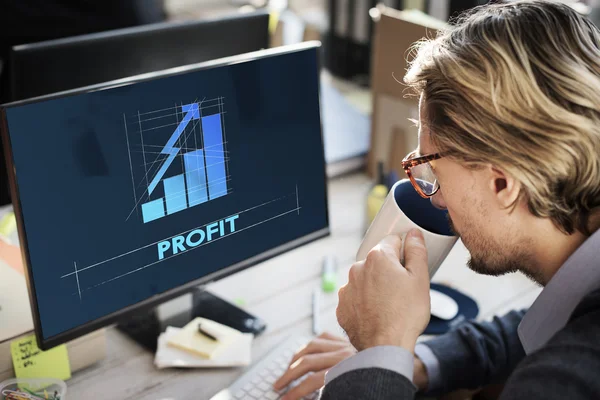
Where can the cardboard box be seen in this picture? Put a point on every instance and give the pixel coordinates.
(16, 322)
(83, 352)
(395, 32)
(289, 27)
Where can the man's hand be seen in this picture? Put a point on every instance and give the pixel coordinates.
(385, 303)
(321, 354)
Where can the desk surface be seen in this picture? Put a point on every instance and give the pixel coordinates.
(279, 291)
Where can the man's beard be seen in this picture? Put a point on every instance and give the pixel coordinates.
(485, 260)
(479, 264)
(505, 266)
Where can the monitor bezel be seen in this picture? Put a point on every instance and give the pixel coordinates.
(153, 301)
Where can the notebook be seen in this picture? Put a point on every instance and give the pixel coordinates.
(190, 340)
(238, 353)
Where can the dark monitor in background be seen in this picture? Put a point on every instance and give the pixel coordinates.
(130, 193)
(63, 64)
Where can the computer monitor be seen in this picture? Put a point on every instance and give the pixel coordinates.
(133, 192)
(63, 64)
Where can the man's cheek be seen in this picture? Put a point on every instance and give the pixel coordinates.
(451, 222)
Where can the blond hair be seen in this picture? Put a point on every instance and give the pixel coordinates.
(517, 85)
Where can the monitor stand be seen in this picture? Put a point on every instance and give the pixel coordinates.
(145, 327)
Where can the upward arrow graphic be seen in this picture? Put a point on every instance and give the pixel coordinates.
(191, 112)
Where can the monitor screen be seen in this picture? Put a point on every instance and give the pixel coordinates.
(133, 193)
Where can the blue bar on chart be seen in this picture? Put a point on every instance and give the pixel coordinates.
(215, 157)
(152, 210)
(175, 194)
(195, 177)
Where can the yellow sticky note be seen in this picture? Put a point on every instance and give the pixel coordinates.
(8, 224)
(273, 21)
(31, 362)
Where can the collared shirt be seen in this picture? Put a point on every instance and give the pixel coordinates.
(576, 278)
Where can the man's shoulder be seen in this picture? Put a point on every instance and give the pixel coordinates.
(567, 366)
(583, 327)
(581, 331)
(589, 305)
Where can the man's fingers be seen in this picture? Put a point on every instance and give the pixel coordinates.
(306, 364)
(415, 253)
(311, 384)
(330, 336)
(390, 244)
(291, 374)
(319, 345)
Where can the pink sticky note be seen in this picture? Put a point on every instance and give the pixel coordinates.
(11, 255)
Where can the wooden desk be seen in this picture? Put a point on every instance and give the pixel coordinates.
(279, 290)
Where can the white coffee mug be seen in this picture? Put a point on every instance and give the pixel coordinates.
(403, 210)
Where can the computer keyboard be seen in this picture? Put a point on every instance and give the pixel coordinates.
(257, 382)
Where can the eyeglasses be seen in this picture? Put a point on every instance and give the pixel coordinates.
(421, 173)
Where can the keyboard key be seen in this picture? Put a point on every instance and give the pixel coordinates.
(271, 395)
(268, 371)
(240, 394)
(274, 367)
(259, 383)
(276, 370)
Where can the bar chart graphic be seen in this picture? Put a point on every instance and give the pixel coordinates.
(179, 168)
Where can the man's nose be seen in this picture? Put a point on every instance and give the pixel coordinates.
(438, 200)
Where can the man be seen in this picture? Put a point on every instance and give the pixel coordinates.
(510, 111)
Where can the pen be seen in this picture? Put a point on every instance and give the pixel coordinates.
(329, 274)
(315, 311)
(204, 332)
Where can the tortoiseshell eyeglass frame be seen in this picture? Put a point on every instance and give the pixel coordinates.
(408, 163)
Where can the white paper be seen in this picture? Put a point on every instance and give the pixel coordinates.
(238, 353)
(346, 131)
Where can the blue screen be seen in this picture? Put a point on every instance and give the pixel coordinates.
(131, 191)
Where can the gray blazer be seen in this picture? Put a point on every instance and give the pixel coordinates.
(478, 354)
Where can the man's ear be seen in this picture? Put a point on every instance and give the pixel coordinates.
(504, 186)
